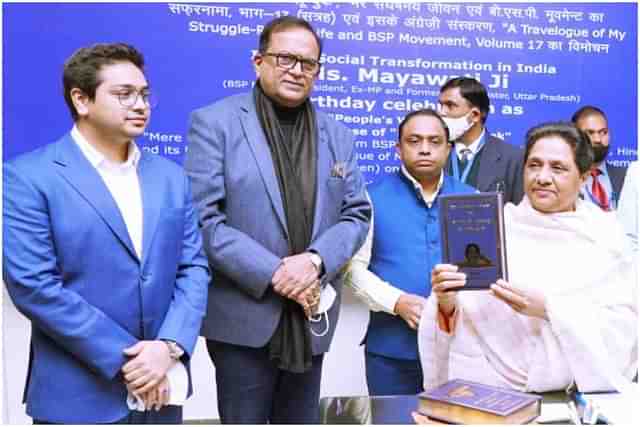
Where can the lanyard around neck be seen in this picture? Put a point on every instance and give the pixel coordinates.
(467, 169)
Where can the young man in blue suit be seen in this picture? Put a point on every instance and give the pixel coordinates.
(102, 253)
(478, 158)
(282, 207)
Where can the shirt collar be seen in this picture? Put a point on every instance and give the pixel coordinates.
(416, 185)
(603, 168)
(473, 146)
(97, 159)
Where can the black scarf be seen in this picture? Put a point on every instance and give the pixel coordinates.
(292, 138)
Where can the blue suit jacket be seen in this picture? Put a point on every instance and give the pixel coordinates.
(243, 221)
(70, 268)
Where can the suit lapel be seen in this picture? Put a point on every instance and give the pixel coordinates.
(489, 164)
(616, 176)
(325, 163)
(151, 203)
(260, 149)
(81, 175)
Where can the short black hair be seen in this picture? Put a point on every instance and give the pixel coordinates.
(423, 112)
(574, 137)
(469, 246)
(284, 23)
(81, 69)
(587, 110)
(473, 91)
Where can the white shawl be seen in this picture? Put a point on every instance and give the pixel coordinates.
(582, 262)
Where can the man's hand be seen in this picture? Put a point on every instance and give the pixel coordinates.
(309, 299)
(530, 302)
(148, 366)
(158, 396)
(409, 307)
(294, 275)
(445, 279)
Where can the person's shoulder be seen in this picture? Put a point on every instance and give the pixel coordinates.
(503, 146)
(224, 106)
(38, 158)
(454, 185)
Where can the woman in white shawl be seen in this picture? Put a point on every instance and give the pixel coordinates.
(568, 314)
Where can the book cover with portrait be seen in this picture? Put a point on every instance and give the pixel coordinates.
(472, 236)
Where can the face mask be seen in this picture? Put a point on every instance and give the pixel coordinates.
(458, 127)
(327, 298)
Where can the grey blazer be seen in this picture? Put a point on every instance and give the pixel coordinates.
(243, 222)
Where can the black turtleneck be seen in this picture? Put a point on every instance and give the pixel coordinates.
(287, 118)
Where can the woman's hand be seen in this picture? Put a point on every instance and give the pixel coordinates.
(530, 302)
(445, 279)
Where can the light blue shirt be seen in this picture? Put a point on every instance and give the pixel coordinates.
(605, 181)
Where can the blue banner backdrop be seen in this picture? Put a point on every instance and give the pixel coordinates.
(540, 61)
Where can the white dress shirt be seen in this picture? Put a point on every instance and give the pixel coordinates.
(474, 146)
(367, 286)
(122, 181)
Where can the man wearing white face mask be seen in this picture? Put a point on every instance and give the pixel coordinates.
(479, 159)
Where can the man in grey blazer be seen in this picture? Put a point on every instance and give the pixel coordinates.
(282, 207)
(479, 159)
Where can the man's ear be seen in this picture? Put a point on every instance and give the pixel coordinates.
(80, 101)
(476, 115)
(257, 62)
(398, 150)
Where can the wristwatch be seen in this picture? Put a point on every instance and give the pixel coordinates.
(175, 351)
(316, 260)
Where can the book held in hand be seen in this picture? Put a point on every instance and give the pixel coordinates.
(472, 237)
(465, 402)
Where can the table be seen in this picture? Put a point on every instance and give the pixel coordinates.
(389, 409)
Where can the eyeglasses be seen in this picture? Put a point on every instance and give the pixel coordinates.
(288, 61)
(129, 98)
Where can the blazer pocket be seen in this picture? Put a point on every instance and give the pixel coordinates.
(335, 185)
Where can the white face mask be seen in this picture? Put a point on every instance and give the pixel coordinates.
(327, 298)
(458, 127)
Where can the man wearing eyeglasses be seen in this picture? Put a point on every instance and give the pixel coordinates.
(282, 207)
(102, 253)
